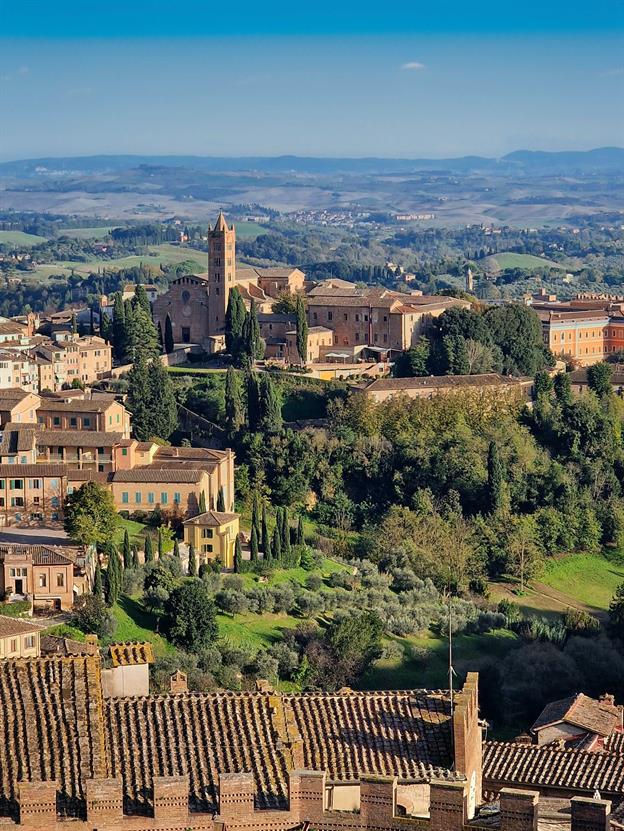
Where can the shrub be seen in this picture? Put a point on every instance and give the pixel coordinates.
(92, 616)
(19, 608)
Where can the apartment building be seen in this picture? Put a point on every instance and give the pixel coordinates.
(102, 413)
(177, 490)
(18, 406)
(32, 492)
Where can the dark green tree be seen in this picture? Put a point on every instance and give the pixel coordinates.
(254, 345)
(276, 545)
(98, 589)
(89, 513)
(168, 337)
(192, 562)
(563, 388)
(163, 406)
(300, 531)
(135, 556)
(266, 540)
(190, 617)
(496, 479)
(127, 554)
(285, 529)
(254, 411)
(221, 501)
(234, 410)
(176, 548)
(234, 323)
(270, 405)
(599, 378)
(161, 544)
(113, 576)
(616, 611)
(302, 329)
(148, 549)
(238, 556)
(413, 362)
(138, 400)
(254, 544)
(141, 299)
(91, 616)
(202, 502)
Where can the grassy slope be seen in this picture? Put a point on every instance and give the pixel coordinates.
(589, 578)
(134, 623)
(423, 659)
(20, 238)
(511, 260)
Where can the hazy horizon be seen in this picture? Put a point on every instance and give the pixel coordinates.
(344, 80)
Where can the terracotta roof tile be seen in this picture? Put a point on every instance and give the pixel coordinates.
(131, 653)
(211, 518)
(15, 626)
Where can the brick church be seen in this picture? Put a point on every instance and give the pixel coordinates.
(196, 304)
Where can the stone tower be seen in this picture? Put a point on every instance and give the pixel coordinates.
(221, 274)
(469, 280)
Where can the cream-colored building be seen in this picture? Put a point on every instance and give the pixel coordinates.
(213, 536)
(101, 413)
(18, 638)
(18, 406)
(176, 490)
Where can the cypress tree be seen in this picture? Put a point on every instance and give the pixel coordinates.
(138, 401)
(270, 407)
(238, 556)
(161, 549)
(255, 520)
(202, 502)
(300, 531)
(221, 500)
(277, 545)
(106, 328)
(254, 544)
(91, 322)
(266, 540)
(176, 548)
(114, 576)
(234, 322)
(97, 582)
(255, 346)
(168, 340)
(74, 324)
(149, 551)
(267, 549)
(135, 556)
(161, 342)
(127, 556)
(253, 401)
(496, 478)
(141, 299)
(119, 327)
(162, 402)
(192, 562)
(234, 411)
(302, 330)
(285, 536)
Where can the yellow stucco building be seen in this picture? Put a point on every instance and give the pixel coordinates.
(213, 536)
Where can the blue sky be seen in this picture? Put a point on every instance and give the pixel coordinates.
(403, 79)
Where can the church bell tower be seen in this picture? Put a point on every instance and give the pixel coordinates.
(221, 274)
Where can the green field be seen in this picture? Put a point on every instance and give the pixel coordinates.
(134, 623)
(165, 254)
(254, 631)
(499, 262)
(589, 578)
(422, 660)
(99, 232)
(249, 230)
(19, 238)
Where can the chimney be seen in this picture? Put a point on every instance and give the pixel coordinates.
(178, 682)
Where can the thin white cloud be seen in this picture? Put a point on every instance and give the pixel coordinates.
(412, 65)
(613, 73)
(23, 70)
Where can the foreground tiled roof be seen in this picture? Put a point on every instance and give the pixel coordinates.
(545, 766)
(51, 726)
(403, 733)
(41, 471)
(581, 711)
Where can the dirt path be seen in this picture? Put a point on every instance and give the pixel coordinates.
(566, 601)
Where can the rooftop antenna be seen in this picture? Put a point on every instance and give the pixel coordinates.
(450, 651)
